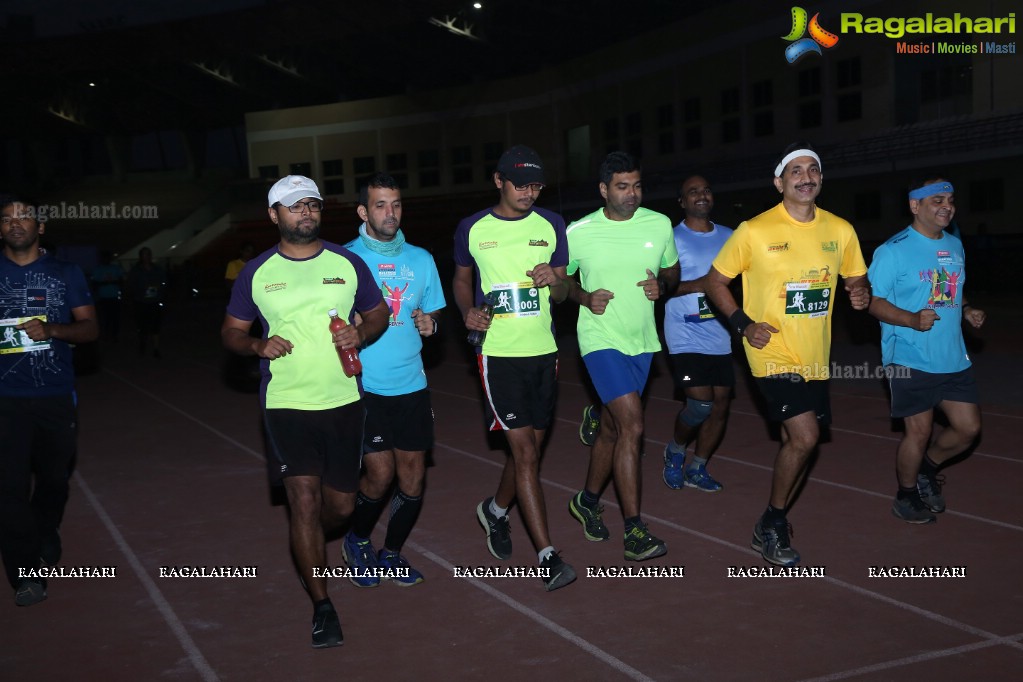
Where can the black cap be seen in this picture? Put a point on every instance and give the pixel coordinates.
(521, 165)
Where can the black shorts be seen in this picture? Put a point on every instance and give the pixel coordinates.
(915, 391)
(698, 369)
(788, 395)
(322, 443)
(519, 391)
(402, 422)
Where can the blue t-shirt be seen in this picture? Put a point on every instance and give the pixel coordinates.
(691, 324)
(913, 272)
(392, 365)
(49, 289)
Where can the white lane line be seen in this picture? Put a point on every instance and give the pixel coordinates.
(163, 606)
(904, 606)
(149, 394)
(910, 660)
(566, 634)
(550, 625)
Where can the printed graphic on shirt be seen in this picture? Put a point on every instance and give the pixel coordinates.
(943, 285)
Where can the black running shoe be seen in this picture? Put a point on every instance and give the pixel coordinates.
(326, 628)
(559, 573)
(498, 530)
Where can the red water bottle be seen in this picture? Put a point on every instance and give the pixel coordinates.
(349, 356)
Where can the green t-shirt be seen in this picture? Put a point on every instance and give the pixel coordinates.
(614, 255)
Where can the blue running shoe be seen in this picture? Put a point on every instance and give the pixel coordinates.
(674, 476)
(696, 476)
(399, 571)
(362, 560)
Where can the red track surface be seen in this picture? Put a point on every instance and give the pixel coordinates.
(170, 473)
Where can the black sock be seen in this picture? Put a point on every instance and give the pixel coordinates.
(404, 512)
(590, 501)
(367, 511)
(928, 468)
(773, 516)
(907, 493)
(323, 605)
(632, 522)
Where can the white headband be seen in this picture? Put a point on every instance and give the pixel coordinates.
(795, 155)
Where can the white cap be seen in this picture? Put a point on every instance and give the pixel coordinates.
(291, 188)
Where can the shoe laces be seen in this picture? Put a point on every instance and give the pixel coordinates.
(783, 532)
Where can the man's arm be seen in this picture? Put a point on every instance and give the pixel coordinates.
(82, 330)
(716, 287)
(596, 302)
(462, 288)
(921, 320)
(234, 334)
(668, 278)
(859, 291)
(373, 324)
(543, 275)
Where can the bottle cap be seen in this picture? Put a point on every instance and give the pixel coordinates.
(332, 312)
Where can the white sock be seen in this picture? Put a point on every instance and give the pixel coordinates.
(497, 511)
(544, 553)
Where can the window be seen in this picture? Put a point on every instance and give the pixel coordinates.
(397, 162)
(364, 165)
(429, 167)
(847, 73)
(429, 158)
(302, 168)
(730, 131)
(666, 142)
(730, 101)
(334, 167)
(461, 155)
(634, 123)
(809, 82)
(763, 123)
(694, 137)
(763, 94)
(461, 164)
(691, 110)
(492, 152)
(665, 116)
(269, 172)
(334, 186)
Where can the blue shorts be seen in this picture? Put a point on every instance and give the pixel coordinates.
(615, 374)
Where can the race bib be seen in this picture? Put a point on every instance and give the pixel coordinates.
(703, 310)
(807, 299)
(516, 299)
(14, 340)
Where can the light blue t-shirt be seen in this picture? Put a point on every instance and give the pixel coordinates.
(690, 323)
(913, 272)
(392, 365)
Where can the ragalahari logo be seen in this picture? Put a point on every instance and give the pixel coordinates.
(801, 46)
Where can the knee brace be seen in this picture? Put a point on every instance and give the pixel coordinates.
(695, 412)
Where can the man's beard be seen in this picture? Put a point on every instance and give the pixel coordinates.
(300, 236)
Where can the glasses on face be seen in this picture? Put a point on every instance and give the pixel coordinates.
(535, 186)
(314, 206)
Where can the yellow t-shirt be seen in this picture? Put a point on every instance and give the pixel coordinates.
(789, 270)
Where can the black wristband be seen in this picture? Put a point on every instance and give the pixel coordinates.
(739, 320)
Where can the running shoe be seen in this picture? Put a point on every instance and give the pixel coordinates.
(362, 560)
(559, 573)
(326, 628)
(641, 545)
(593, 528)
(674, 476)
(498, 530)
(696, 476)
(401, 573)
(590, 425)
(30, 591)
(772, 541)
(912, 510)
(929, 488)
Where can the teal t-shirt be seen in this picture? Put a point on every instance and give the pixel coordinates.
(614, 255)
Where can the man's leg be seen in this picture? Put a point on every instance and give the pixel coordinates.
(963, 429)
(52, 455)
(713, 430)
(336, 508)
(771, 533)
(19, 542)
(405, 508)
(357, 547)
(525, 446)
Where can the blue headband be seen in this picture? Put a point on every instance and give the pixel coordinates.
(931, 190)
